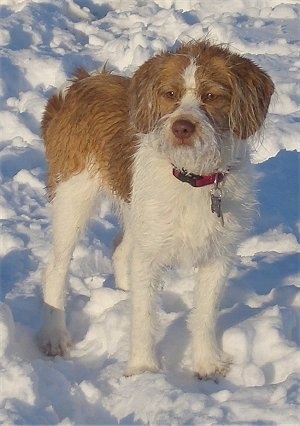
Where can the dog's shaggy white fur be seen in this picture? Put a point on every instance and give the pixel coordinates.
(188, 114)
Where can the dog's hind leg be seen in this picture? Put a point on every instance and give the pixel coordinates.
(71, 208)
(121, 259)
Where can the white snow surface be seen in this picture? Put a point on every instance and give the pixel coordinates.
(42, 42)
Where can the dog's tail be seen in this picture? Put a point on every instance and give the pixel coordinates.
(52, 108)
(80, 74)
(56, 101)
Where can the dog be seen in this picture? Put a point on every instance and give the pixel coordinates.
(171, 148)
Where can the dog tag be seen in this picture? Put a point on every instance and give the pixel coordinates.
(216, 199)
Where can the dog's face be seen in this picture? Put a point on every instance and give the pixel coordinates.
(190, 99)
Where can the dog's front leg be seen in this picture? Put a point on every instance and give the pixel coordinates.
(209, 361)
(142, 355)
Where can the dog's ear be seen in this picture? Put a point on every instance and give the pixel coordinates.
(143, 96)
(252, 89)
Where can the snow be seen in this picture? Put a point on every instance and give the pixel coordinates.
(41, 44)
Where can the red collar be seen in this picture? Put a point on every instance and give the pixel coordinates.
(197, 180)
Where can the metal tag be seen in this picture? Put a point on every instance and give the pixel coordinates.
(216, 199)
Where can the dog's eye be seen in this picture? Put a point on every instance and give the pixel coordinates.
(208, 97)
(170, 94)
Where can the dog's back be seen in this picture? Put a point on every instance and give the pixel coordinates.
(87, 126)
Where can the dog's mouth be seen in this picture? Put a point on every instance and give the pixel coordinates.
(188, 142)
(183, 143)
(198, 159)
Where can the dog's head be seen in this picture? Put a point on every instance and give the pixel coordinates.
(199, 93)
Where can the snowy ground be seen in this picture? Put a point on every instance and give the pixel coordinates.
(41, 43)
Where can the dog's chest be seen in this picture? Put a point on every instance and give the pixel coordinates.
(186, 210)
(171, 216)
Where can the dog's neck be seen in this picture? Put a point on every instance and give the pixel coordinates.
(198, 180)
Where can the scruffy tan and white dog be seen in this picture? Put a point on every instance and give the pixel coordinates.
(170, 146)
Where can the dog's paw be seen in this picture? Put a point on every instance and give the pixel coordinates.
(54, 341)
(213, 368)
(123, 285)
(134, 368)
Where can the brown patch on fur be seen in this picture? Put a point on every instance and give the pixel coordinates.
(251, 95)
(90, 128)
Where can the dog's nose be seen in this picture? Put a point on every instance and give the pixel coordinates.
(183, 129)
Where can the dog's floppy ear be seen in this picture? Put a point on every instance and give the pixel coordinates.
(143, 104)
(252, 89)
